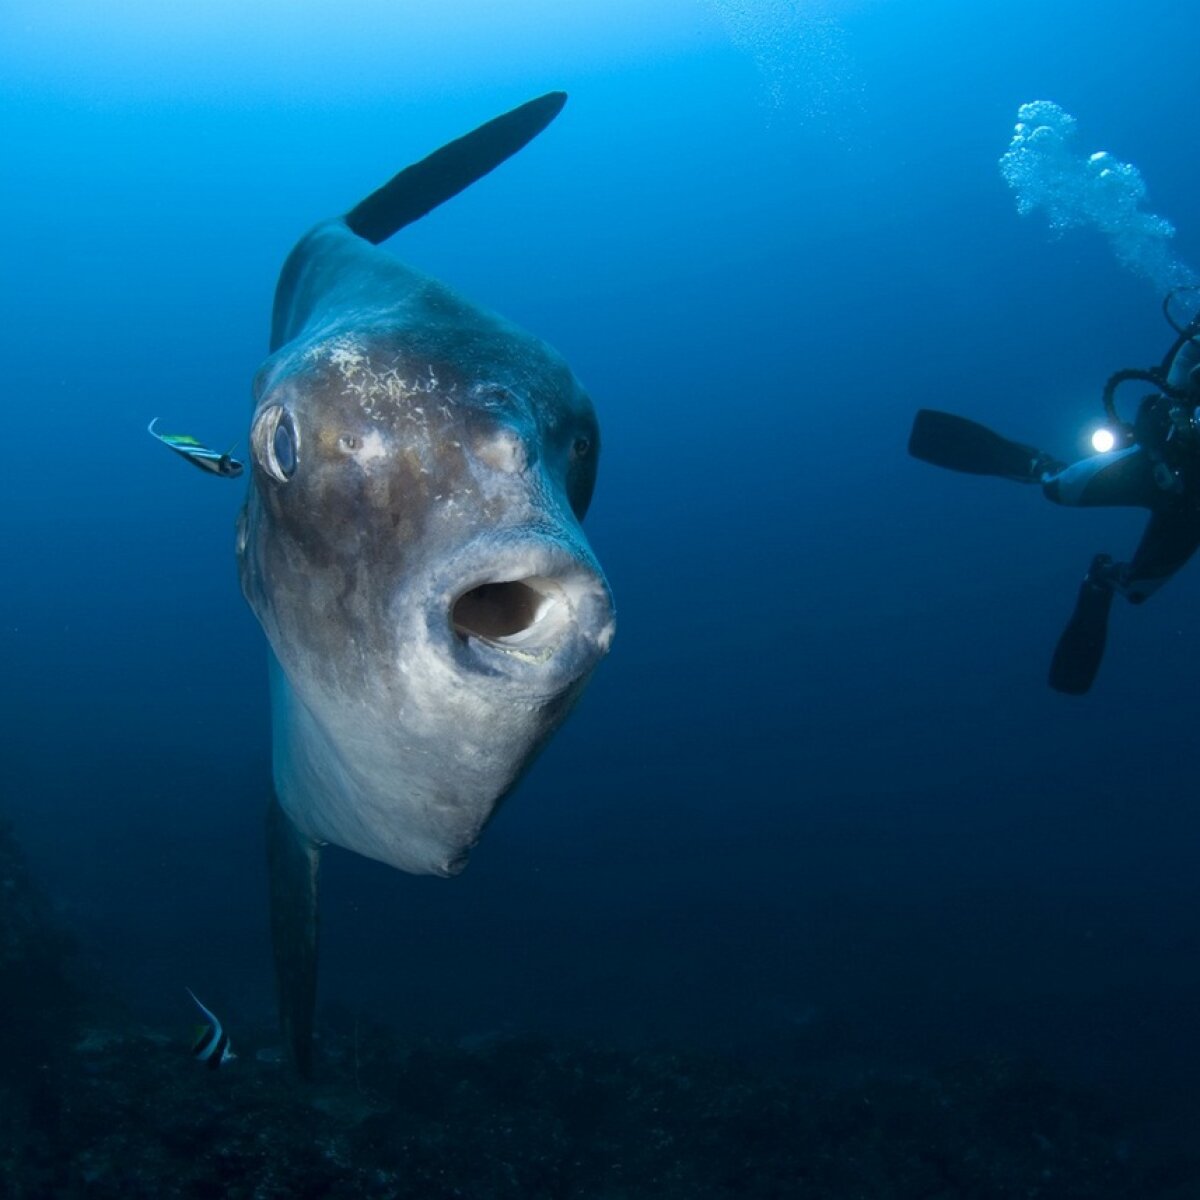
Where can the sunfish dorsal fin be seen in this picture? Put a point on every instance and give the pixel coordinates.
(422, 187)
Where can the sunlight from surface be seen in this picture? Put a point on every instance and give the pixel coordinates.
(799, 51)
(142, 46)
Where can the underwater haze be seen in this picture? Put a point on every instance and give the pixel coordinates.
(819, 793)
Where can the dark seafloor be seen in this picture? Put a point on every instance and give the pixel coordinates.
(94, 1104)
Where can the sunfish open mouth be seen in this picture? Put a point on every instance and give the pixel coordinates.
(519, 614)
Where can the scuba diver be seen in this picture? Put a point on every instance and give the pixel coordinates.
(1153, 463)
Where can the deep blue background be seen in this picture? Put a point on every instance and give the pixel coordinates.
(821, 773)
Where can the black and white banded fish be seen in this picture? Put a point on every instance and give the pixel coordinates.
(198, 454)
(211, 1044)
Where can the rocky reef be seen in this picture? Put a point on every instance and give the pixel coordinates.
(37, 1007)
(93, 1105)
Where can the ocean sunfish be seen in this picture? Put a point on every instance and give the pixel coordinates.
(411, 545)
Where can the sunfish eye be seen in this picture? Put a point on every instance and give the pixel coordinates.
(581, 446)
(283, 448)
(276, 445)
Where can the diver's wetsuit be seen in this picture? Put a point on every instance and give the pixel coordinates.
(1161, 472)
(1158, 470)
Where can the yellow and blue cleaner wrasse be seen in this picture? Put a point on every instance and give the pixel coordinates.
(211, 1043)
(199, 454)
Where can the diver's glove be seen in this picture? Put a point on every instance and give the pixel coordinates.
(1081, 647)
(954, 442)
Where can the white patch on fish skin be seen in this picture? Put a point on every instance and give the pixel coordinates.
(373, 448)
(380, 390)
(347, 355)
(343, 352)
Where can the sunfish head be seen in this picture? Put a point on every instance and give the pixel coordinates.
(411, 544)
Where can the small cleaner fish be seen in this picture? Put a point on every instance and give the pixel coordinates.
(198, 454)
(211, 1044)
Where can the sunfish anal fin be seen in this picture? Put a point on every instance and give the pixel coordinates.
(293, 862)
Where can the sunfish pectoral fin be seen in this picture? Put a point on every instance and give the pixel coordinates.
(422, 187)
(293, 861)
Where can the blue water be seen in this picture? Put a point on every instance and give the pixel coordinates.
(821, 776)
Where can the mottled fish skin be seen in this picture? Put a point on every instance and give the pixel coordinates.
(438, 449)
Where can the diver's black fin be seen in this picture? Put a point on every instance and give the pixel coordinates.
(1081, 647)
(423, 186)
(948, 441)
(293, 861)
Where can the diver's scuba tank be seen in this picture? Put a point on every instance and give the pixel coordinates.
(1181, 363)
